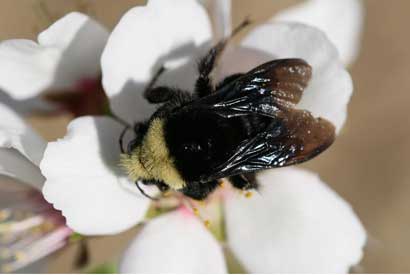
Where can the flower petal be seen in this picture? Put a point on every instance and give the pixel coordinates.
(220, 13)
(84, 181)
(296, 225)
(330, 88)
(15, 133)
(66, 52)
(15, 165)
(341, 20)
(162, 33)
(174, 243)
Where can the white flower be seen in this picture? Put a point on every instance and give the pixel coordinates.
(341, 20)
(65, 61)
(296, 224)
(65, 58)
(30, 228)
(62, 67)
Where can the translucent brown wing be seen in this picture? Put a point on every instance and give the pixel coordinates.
(271, 90)
(265, 90)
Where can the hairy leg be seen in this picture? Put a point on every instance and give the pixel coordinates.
(244, 181)
(203, 85)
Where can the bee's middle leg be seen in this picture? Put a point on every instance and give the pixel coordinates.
(199, 191)
(244, 181)
(204, 85)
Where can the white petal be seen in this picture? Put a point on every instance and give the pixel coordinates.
(15, 165)
(330, 88)
(84, 181)
(296, 225)
(174, 243)
(341, 20)
(66, 52)
(162, 33)
(15, 133)
(26, 106)
(220, 13)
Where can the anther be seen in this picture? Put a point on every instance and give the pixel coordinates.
(248, 195)
(207, 223)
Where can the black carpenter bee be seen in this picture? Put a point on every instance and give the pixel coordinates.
(245, 124)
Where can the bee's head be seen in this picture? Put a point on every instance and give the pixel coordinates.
(149, 157)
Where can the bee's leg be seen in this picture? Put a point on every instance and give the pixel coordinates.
(244, 181)
(203, 85)
(162, 94)
(199, 191)
(154, 79)
(143, 192)
(121, 139)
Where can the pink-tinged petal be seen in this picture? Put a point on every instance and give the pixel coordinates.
(330, 88)
(84, 181)
(67, 52)
(220, 13)
(163, 33)
(341, 20)
(176, 242)
(295, 224)
(16, 134)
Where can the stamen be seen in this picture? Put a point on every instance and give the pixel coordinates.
(29, 258)
(50, 239)
(207, 223)
(31, 249)
(248, 195)
(16, 227)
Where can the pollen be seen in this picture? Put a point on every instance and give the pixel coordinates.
(221, 184)
(248, 195)
(207, 223)
(196, 211)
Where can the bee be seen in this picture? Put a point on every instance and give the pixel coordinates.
(246, 123)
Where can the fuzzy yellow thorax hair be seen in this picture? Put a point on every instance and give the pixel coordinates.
(151, 160)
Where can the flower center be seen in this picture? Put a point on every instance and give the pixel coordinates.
(30, 229)
(86, 98)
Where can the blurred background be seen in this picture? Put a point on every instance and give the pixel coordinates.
(369, 165)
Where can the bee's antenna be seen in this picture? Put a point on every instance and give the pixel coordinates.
(143, 192)
(121, 140)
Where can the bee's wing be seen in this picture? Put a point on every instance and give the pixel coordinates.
(294, 138)
(265, 90)
(272, 89)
